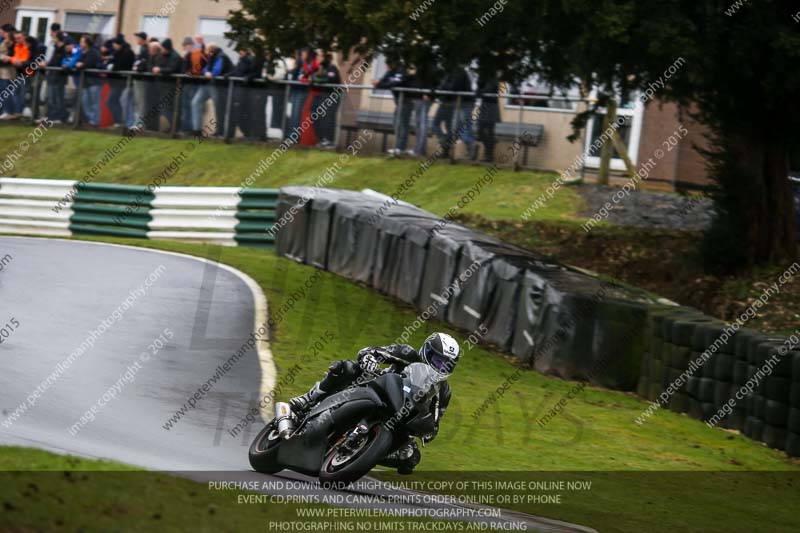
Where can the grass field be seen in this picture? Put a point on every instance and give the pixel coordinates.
(67, 154)
(69, 493)
(596, 432)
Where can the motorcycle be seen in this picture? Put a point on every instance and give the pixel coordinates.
(346, 435)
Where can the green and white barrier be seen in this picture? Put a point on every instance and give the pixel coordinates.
(220, 215)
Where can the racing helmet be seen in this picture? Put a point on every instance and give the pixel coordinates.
(441, 352)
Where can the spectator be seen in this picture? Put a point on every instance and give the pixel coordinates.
(171, 63)
(151, 111)
(106, 55)
(326, 108)
(457, 80)
(489, 115)
(276, 70)
(90, 95)
(119, 98)
(306, 65)
(219, 65)
(30, 68)
(140, 65)
(249, 101)
(56, 80)
(194, 60)
(19, 61)
(7, 70)
(394, 78)
(414, 79)
(140, 60)
(72, 54)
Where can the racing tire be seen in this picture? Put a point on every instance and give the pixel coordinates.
(264, 459)
(379, 442)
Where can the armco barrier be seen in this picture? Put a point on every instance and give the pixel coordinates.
(218, 215)
(560, 320)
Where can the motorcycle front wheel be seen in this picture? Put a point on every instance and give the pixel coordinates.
(263, 453)
(346, 465)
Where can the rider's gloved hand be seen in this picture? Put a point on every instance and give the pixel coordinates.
(368, 363)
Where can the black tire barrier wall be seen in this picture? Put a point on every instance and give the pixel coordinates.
(559, 320)
(680, 336)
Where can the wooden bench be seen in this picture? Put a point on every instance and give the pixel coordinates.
(383, 122)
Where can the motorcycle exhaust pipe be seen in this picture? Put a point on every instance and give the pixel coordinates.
(284, 420)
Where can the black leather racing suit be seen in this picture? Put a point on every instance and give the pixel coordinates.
(341, 374)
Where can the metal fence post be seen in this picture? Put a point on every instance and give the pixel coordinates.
(78, 98)
(285, 108)
(398, 117)
(337, 122)
(519, 132)
(229, 102)
(130, 101)
(37, 86)
(176, 110)
(454, 126)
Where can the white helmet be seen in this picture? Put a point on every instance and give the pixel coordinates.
(441, 352)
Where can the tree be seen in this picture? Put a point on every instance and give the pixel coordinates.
(738, 76)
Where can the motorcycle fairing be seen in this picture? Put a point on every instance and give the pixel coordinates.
(305, 451)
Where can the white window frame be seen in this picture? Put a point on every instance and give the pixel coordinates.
(112, 21)
(222, 43)
(637, 115)
(36, 13)
(143, 25)
(379, 61)
(510, 106)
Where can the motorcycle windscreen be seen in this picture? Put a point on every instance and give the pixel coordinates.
(422, 381)
(292, 222)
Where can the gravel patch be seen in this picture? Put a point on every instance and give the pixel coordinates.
(648, 209)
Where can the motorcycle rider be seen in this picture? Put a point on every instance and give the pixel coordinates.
(440, 351)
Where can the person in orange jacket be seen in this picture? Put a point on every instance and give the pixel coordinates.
(20, 54)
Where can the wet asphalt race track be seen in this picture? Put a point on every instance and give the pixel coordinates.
(60, 293)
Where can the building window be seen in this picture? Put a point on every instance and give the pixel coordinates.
(542, 96)
(35, 22)
(155, 26)
(379, 68)
(213, 30)
(629, 114)
(76, 24)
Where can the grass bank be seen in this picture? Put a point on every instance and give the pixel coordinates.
(595, 433)
(68, 154)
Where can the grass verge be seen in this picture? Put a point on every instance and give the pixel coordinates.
(67, 493)
(69, 154)
(596, 431)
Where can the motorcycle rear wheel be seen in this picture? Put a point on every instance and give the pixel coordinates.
(263, 452)
(347, 467)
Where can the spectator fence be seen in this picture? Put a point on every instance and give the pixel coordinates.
(458, 126)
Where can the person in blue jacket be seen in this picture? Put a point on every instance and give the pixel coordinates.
(72, 55)
(219, 65)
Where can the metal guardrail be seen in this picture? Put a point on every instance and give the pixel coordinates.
(270, 109)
